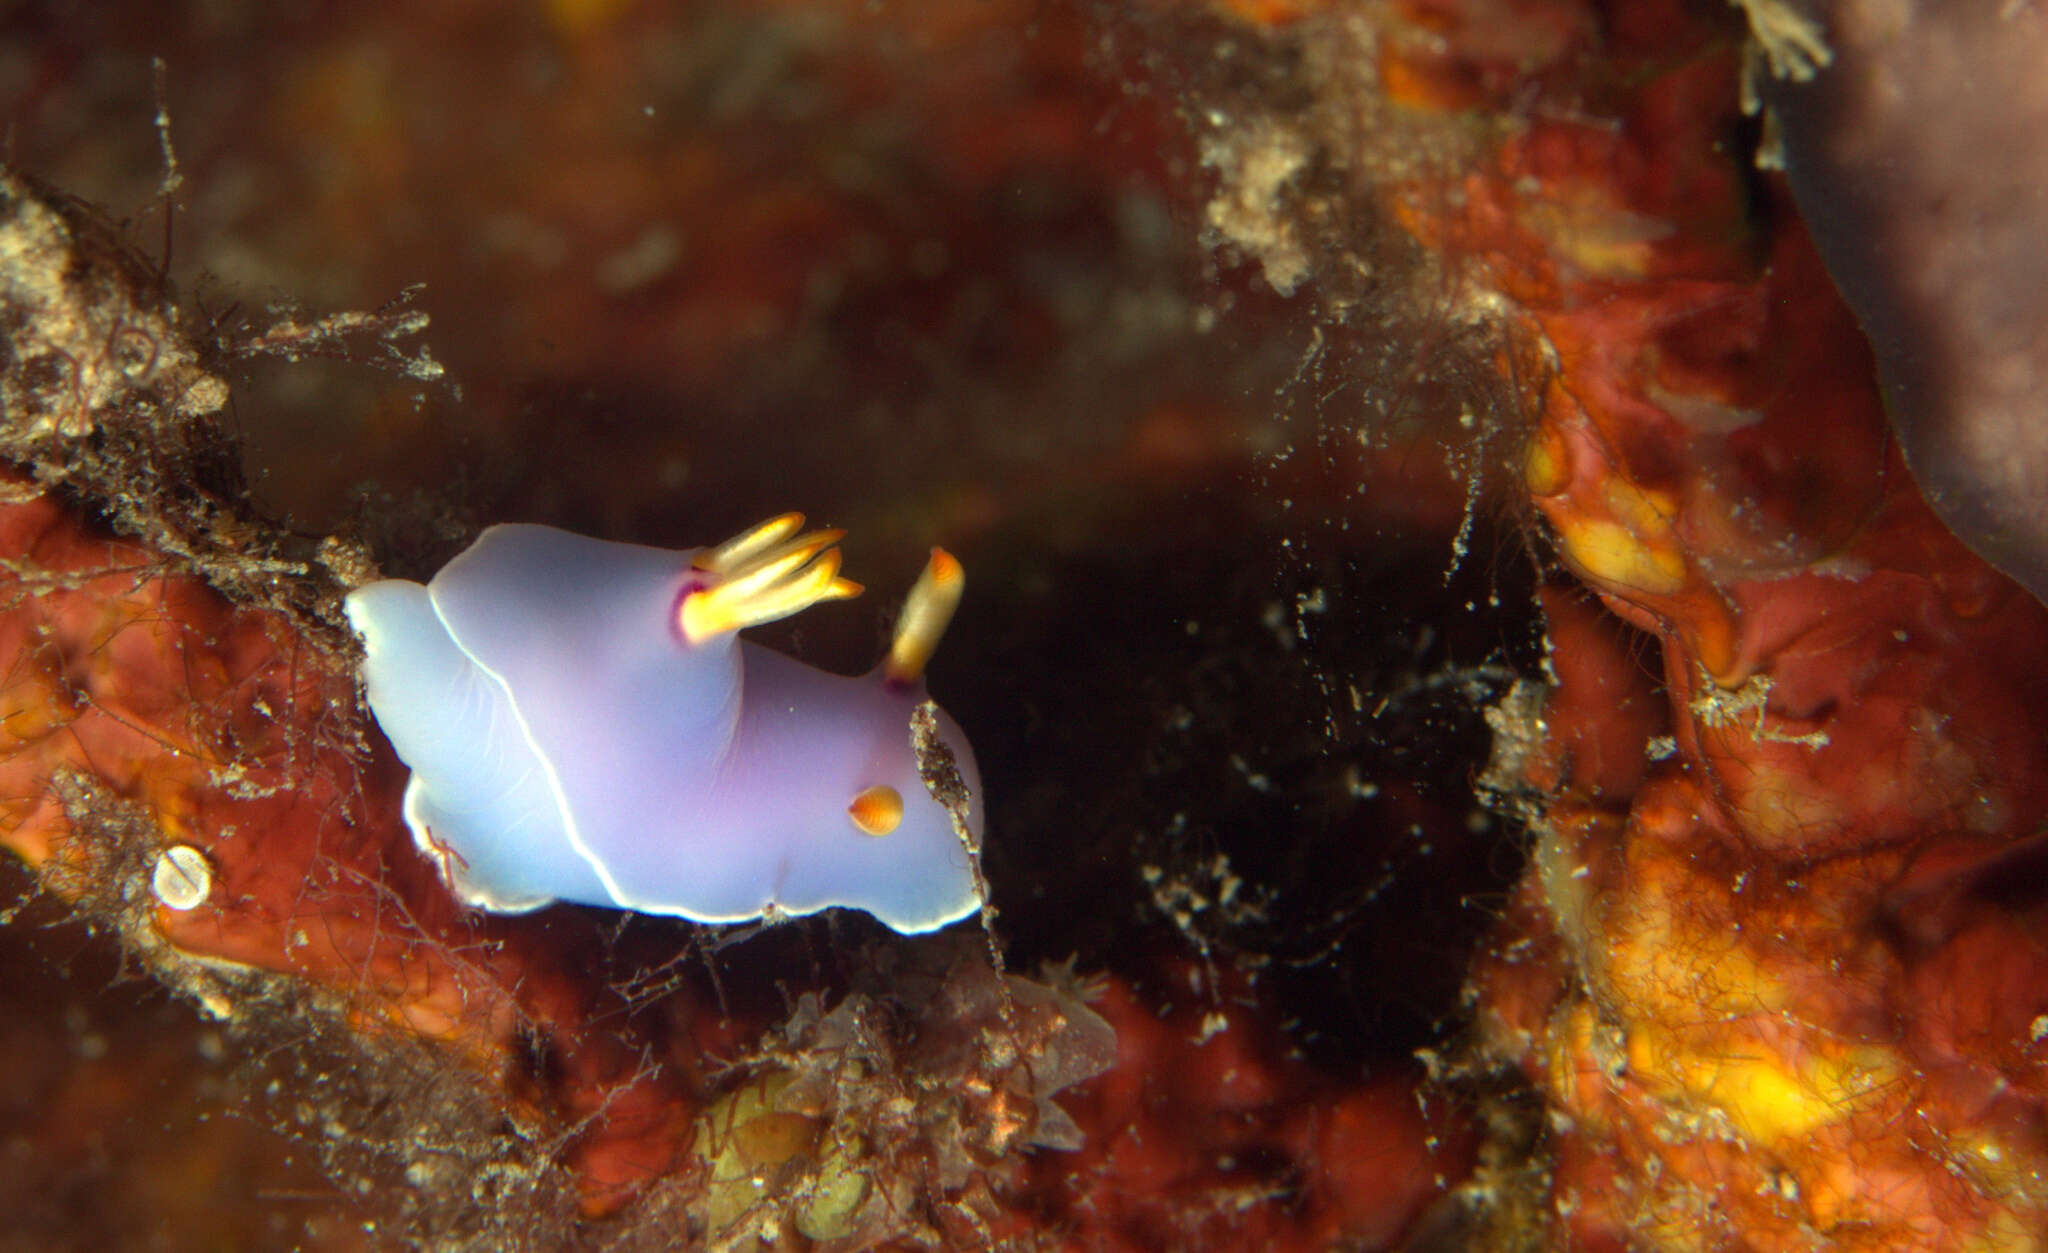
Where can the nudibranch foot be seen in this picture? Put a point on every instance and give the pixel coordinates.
(760, 575)
(484, 773)
(927, 612)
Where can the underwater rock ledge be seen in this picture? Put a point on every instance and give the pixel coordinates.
(188, 769)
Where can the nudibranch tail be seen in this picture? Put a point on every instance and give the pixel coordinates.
(927, 611)
(769, 572)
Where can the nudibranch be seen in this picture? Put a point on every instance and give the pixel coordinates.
(583, 723)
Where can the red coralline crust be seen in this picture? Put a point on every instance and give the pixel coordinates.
(1780, 979)
(1205, 1135)
(145, 712)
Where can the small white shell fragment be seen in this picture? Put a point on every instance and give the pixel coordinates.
(183, 878)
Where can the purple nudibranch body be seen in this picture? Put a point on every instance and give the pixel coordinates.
(583, 723)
